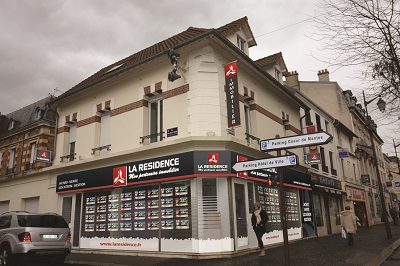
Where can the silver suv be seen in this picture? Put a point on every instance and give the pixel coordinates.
(28, 236)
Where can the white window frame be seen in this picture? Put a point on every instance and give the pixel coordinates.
(105, 131)
(156, 100)
(72, 143)
(39, 113)
(241, 43)
(327, 127)
(12, 124)
(33, 152)
(278, 74)
(11, 162)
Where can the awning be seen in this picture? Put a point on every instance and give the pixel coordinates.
(329, 190)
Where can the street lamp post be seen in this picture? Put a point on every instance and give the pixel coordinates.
(397, 158)
(381, 106)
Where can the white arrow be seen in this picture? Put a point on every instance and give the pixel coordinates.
(265, 163)
(295, 141)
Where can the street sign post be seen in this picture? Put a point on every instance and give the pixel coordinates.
(290, 160)
(277, 144)
(275, 162)
(295, 141)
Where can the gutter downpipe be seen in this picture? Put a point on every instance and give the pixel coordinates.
(301, 118)
(55, 137)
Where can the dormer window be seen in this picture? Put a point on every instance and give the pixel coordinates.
(278, 75)
(114, 68)
(39, 113)
(241, 44)
(12, 124)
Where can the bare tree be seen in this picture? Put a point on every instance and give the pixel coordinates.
(365, 33)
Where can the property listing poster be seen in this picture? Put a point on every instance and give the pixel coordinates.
(139, 212)
(270, 201)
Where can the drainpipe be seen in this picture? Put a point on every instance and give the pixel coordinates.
(48, 105)
(304, 116)
(55, 137)
(22, 152)
(301, 118)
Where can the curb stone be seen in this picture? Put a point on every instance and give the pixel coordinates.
(385, 254)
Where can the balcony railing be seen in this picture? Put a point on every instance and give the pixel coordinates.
(101, 148)
(159, 134)
(10, 171)
(325, 168)
(69, 156)
(29, 166)
(248, 137)
(365, 180)
(334, 172)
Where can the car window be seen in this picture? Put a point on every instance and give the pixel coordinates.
(46, 220)
(5, 221)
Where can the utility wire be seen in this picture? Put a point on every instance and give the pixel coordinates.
(288, 26)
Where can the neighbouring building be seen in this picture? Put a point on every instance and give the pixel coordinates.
(370, 194)
(357, 176)
(27, 138)
(323, 163)
(393, 178)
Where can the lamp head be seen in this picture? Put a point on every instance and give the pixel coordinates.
(381, 105)
(358, 153)
(172, 76)
(390, 176)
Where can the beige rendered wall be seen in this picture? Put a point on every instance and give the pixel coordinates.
(127, 127)
(206, 96)
(19, 190)
(329, 96)
(176, 115)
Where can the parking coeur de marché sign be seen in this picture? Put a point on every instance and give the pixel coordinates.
(312, 139)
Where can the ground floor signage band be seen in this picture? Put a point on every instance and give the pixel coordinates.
(129, 173)
(182, 165)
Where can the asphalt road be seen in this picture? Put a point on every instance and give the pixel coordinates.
(370, 243)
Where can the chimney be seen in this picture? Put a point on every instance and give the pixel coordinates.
(323, 75)
(292, 80)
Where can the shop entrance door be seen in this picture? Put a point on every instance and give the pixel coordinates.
(327, 214)
(240, 215)
(67, 211)
(361, 214)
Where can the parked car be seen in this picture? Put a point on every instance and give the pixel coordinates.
(28, 237)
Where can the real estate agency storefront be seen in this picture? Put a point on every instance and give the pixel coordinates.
(190, 202)
(358, 201)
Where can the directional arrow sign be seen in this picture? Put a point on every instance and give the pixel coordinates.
(265, 163)
(295, 141)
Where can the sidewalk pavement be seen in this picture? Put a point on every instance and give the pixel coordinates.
(371, 248)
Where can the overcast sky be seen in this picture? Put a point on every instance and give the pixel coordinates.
(48, 46)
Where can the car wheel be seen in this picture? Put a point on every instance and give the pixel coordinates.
(5, 256)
